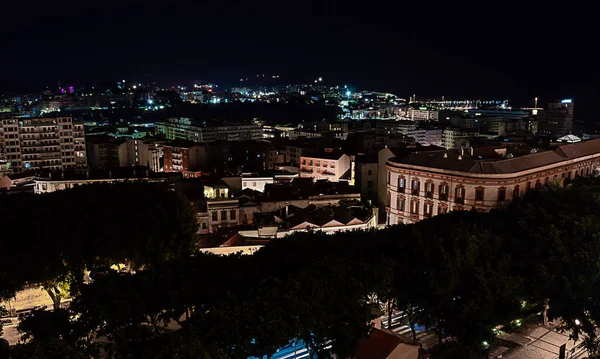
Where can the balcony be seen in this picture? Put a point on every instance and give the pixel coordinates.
(443, 196)
(429, 194)
(459, 200)
(414, 191)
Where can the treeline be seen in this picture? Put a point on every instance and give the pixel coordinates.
(460, 275)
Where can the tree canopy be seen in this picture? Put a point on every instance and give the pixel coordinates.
(460, 275)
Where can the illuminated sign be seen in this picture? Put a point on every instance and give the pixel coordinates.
(423, 108)
(566, 101)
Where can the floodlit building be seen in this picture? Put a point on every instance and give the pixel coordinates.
(330, 166)
(423, 184)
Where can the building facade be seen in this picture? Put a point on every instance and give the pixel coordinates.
(422, 185)
(43, 143)
(328, 166)
(557, 120)
(186, 129)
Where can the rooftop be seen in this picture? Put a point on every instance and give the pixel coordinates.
(487, 163)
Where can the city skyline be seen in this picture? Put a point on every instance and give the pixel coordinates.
(401, 48)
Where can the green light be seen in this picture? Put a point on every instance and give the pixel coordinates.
(422, 108)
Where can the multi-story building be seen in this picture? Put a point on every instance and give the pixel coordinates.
(43, 143)
(422, 114)
(190, 158)
(393, 127)
(196, 131)
(331, 166)
(427, 136)
(453, 138)
(423, 184)
(557, 120)
(366, 177)
(109, 152)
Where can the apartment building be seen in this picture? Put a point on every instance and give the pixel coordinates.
(43, 143)
(208, 131)
(330, 166)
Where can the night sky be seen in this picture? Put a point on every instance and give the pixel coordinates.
(496, 49)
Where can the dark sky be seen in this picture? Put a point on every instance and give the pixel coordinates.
(493, 49)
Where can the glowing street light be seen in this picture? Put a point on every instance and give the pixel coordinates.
(150, 102)
(320, 79)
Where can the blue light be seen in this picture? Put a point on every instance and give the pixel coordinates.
(27, 165)
(568, 100)
(348, 93)
(150, 102)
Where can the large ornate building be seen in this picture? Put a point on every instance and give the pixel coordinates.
(423, 184)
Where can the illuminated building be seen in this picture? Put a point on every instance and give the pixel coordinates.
(423, 184)
(422, 114)
(196, 131)
(43, 143)
(331, 166)
(557, 120)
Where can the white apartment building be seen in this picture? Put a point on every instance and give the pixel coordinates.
(422, 114)
(453, 138)
(43, 143)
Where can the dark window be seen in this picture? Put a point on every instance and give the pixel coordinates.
(516, 192)
(538, 184)
(369, 172)
(401, 203)
(444, 192)
(459, 195)
(389, 199)
(415, 187)
(527, 187)
(401, 184)
(479, 194)
(369, 184)
(428, 210)
(214, 216)
(204, 225)
(224, 215)
(414, 207)
(501, 194)
(232, 214)
(442, 210)
(429, 187)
